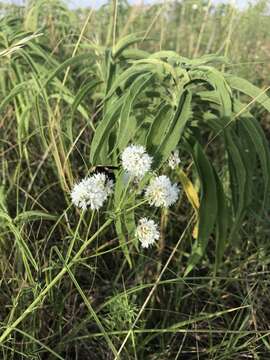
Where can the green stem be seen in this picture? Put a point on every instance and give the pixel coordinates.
(136, 206)
(71, 245)
(124, 194)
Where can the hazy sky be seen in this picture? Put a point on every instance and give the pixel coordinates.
(96, 3)
(100, 2)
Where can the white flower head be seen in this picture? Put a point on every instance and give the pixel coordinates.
(101, 180)
(161, 192)
(194, 7)
(147, 232)
(174, 159)
(92, 191)
(136, 162)
(79, 194)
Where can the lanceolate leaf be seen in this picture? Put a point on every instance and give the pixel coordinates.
(260, 145)
(190, 190)
(257, 138)
(249, 89)
(137, 87)
(131, 72)
(119, 202)
(129, 219)
(175, 129)
(223, 222)
(208, 205)
(122, 238)
(217, 81)
(238, 178)
(35, 215)
(125, 42)
(85, 90)
(159, 128)
(71, 61)
(103, 131)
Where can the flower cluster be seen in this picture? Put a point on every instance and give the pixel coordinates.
(161, 192)
(147, 232)
(136, 162)
(92, 191)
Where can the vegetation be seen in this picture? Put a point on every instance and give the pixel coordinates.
(77, 88)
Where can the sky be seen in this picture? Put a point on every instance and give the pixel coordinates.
(81, 3)
(96, 3)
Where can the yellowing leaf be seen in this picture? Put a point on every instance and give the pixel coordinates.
(189, 190)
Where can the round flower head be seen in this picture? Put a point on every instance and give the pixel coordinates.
(80, 194)
(161, 192)
(101, 180)
(92, 191)
(147, 232)
(174, 159)
(136, 162)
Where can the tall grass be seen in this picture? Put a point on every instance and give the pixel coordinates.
(76, 88)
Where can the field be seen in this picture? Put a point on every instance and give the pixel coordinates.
(134, 181)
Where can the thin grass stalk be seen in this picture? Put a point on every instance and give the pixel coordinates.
(53, 282)
(230, 31)
(88, 305)
(115, 8)
(196, 51)
(60, 155)
(153, 23)
(132, 16)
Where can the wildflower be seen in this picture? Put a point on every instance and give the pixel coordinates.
(194, 7)
(102, 180)
(79, 194)
(147, 232)
(161, 192)
(174, 159)
(92, 191)
(136, 162)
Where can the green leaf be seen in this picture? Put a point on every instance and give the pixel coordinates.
(83, 91)
(175, 129)
(249, 89)
(208, 205)
(124, 42)
(119, 203)
(134, 54)
(119, 227)
(19, 88)
(69, 62)
(125, 76)
(223, 221)
(261, 147)
(32, 215)
(238, 179)
(158, 128)
(219, 85)
(136, 88)
(100, 139)
(27, 256)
